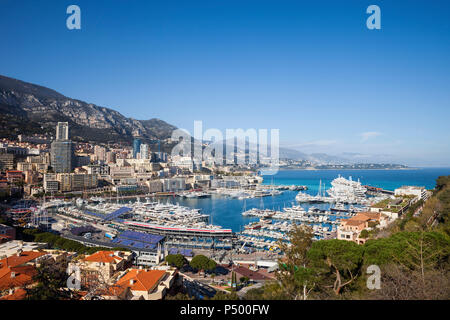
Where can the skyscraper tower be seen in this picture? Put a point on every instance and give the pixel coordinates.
(62, 131)
(136, 147)
(144, 151)
(62, 154)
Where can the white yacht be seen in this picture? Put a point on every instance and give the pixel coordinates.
(347, 191)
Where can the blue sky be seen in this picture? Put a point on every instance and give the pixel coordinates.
(309, 68)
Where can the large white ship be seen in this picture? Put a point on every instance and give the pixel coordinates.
(347, 191)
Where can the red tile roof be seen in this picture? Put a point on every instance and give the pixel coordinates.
(103, 256)
(350, 222)
(13, 277)
(18, 294)
(17, 260)
(143, 280)
(252, 275)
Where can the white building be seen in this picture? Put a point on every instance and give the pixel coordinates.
(183, 162)
(144, 151)
(62, 131)
(51, 183)
(100, 153)
(173, 184)
(419, 192)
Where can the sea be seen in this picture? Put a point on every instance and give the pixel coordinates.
(226, 212)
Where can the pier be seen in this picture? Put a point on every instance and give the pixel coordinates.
(374, 191)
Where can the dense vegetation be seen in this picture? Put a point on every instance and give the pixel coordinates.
(412, 256)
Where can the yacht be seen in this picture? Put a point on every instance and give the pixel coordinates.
(347, 191)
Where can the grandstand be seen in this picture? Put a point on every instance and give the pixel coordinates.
(117, 213)
(112, 216)
(138, 240)
(97, 215)
(184, 252)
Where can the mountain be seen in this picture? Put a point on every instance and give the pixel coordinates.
(324, 158)
(29, 108)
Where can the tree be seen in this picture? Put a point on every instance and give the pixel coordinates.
(442, 182)
(233, 281)
(409, 249)
(364, 234)
(414, 265)
(338, 260)
(399, 284)
(300, 239)
(51, 281)
(296, 279)
(244, 280)
(201, 262)
(176, 260)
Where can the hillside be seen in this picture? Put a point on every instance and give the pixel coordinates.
(29, 108)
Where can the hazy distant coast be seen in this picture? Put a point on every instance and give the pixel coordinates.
(342, 168)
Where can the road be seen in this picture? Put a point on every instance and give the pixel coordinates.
(198, 289)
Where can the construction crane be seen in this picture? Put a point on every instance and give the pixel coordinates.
(241, 249)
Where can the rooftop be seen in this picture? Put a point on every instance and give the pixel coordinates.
(18, 294)
(141, 280)
(12, 277)
(20, 259)
(104, 256)
(252, 275)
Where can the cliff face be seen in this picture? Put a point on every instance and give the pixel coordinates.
(45, 107)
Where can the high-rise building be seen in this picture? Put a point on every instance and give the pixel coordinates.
(110, 157)
(144, 151)
(6, 161)
(136, 147)
(62, 156)
(100, 153)
(62, 131)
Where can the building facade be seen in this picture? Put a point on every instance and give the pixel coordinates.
(136, 147)
(62, 156)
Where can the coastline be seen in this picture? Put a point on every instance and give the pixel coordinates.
(323, 169)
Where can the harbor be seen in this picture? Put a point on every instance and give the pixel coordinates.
(267, 214)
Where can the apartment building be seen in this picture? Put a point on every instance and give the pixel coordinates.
(350, 229)
(100, 267)
(144, 284)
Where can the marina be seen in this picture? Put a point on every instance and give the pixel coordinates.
(222, 218)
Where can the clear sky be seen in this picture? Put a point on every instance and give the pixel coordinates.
(309, 68)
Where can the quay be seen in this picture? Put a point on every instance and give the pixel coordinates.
(374, 191)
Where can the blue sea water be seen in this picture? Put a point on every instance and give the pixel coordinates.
(386, 179)
(226, 212)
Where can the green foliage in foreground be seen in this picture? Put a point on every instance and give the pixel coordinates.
(337, 260)
(412, 254)
(403, 247)
(414, 265)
